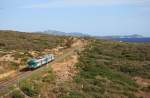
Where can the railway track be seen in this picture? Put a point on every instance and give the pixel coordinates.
(4, 85)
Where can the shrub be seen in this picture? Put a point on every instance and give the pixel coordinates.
(17, 94)
(14, 65)
(48, 78)
(73, 95)
(29, 89)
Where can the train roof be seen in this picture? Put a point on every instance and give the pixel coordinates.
(40, 58)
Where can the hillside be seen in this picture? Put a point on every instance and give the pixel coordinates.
(113, 70)
(89, 68)
(16, 48)
(12, 40)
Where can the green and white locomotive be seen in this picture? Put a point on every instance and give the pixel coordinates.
(35, 63)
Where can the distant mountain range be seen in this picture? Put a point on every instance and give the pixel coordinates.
(78, 34)
(59, 33)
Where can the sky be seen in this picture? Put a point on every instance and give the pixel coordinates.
(95, 17)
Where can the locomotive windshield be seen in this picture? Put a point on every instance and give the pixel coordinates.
(31, 63)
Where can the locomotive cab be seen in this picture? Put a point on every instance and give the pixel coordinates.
(32, 63)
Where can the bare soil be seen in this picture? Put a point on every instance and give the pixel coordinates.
(9, 57)
(143, 83)
(65, 70)
(4, 75)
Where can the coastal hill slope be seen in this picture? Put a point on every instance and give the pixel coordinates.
(101, 69)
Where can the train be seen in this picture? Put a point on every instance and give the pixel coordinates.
(38, 62)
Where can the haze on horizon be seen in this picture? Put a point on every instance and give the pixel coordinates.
(95, 17)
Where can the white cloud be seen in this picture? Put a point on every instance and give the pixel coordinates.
(68, 3)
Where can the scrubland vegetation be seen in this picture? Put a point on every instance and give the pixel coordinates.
(12, 40)
(106, 69)
(17, 47)
(34, 86)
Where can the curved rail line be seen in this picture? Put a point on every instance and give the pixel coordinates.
(4, 85)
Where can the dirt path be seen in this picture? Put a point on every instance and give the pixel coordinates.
(66, 69)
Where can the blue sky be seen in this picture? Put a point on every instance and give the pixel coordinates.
(96, 17)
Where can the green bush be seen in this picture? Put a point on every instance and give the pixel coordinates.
(48, 78)
(14, 65)
(29, 89)
(17, 94)
(73, 95)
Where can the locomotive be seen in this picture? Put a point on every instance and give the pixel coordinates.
(35, 63)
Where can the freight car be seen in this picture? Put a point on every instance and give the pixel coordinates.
(35, 63)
